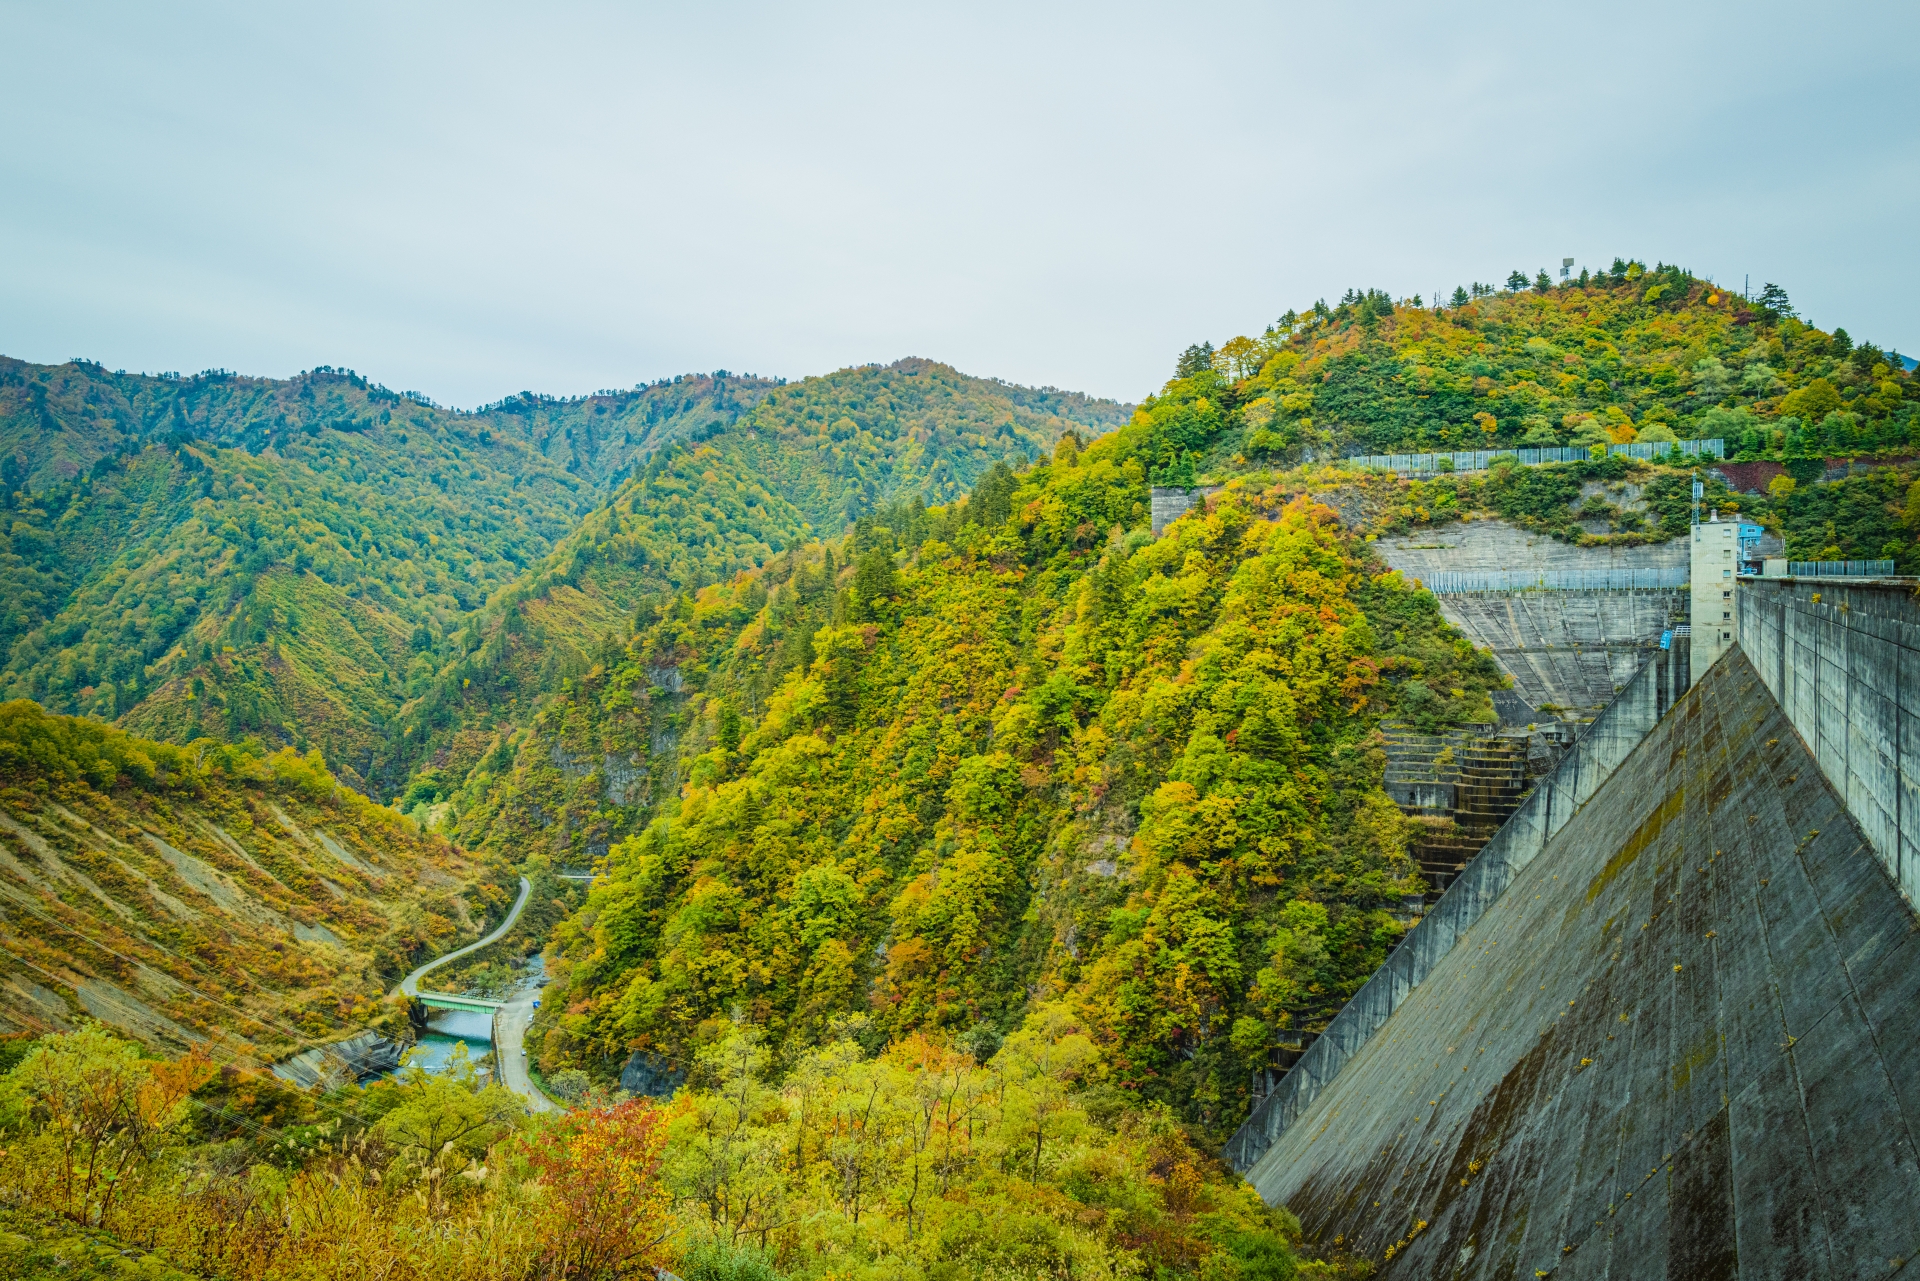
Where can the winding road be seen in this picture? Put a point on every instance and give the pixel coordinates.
(509, 1020)
(410, 985)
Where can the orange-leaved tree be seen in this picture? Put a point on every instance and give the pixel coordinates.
(604, 1212)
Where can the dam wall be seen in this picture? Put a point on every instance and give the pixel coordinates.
(1576, 623)
(1567, 651)
(1678, 1041)
(1843, 661)
(1554, 802)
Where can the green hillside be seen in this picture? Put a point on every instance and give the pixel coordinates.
(690, 518)
(1610, 357)
(925, 423)
(292, 591)
(1011, 746)
(60, 420)
(840, 446)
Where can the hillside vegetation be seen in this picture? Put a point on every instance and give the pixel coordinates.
(918, 1163)
(302, 560)
(1628, 354)
(210, 892)
(972, 754)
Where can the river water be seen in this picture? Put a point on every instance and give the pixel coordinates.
(447, 1029)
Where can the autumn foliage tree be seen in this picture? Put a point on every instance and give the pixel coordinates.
(603, 1210)
(100, 1112)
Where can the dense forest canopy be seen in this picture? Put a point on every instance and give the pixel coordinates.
(1628, 354)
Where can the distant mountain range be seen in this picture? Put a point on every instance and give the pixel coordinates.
(298, 559)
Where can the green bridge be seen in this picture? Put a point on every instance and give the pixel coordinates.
(444, 1001)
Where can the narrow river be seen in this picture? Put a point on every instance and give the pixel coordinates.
(447, 1030)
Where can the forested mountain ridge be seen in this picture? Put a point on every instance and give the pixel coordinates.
(912, 427)
(301, 559)
(1629, 353)
(59, 420)
(690, 518)
(293, 589)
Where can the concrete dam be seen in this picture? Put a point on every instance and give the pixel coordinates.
(1664, 1023)
(1570, 648)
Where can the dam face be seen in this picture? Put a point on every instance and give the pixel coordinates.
(1679, 1038)
(1570, 647)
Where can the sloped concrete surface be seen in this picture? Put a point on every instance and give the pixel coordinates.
(1496, 545)
(1568, 649)
(1683, 1043)
(1554, 803)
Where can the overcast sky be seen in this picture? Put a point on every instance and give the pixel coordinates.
(470, 200)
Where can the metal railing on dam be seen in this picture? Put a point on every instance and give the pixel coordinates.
(1652, 578)
(1839, 568)
(1589, 763)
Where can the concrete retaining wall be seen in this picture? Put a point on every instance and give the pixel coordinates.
(1569, 649)
(1170, 504)
(1587, 765)
(1679, 1046)
(1843, 661)
(1488, 546)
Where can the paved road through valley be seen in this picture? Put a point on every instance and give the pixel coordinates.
(509, 1021)
(410, 985)
(509, 1029)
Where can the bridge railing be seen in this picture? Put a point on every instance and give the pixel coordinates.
(448, 1001)
(1481, 459)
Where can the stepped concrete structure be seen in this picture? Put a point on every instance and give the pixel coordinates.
(1664, 1023)
(1569, 651)
(1460, 787)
